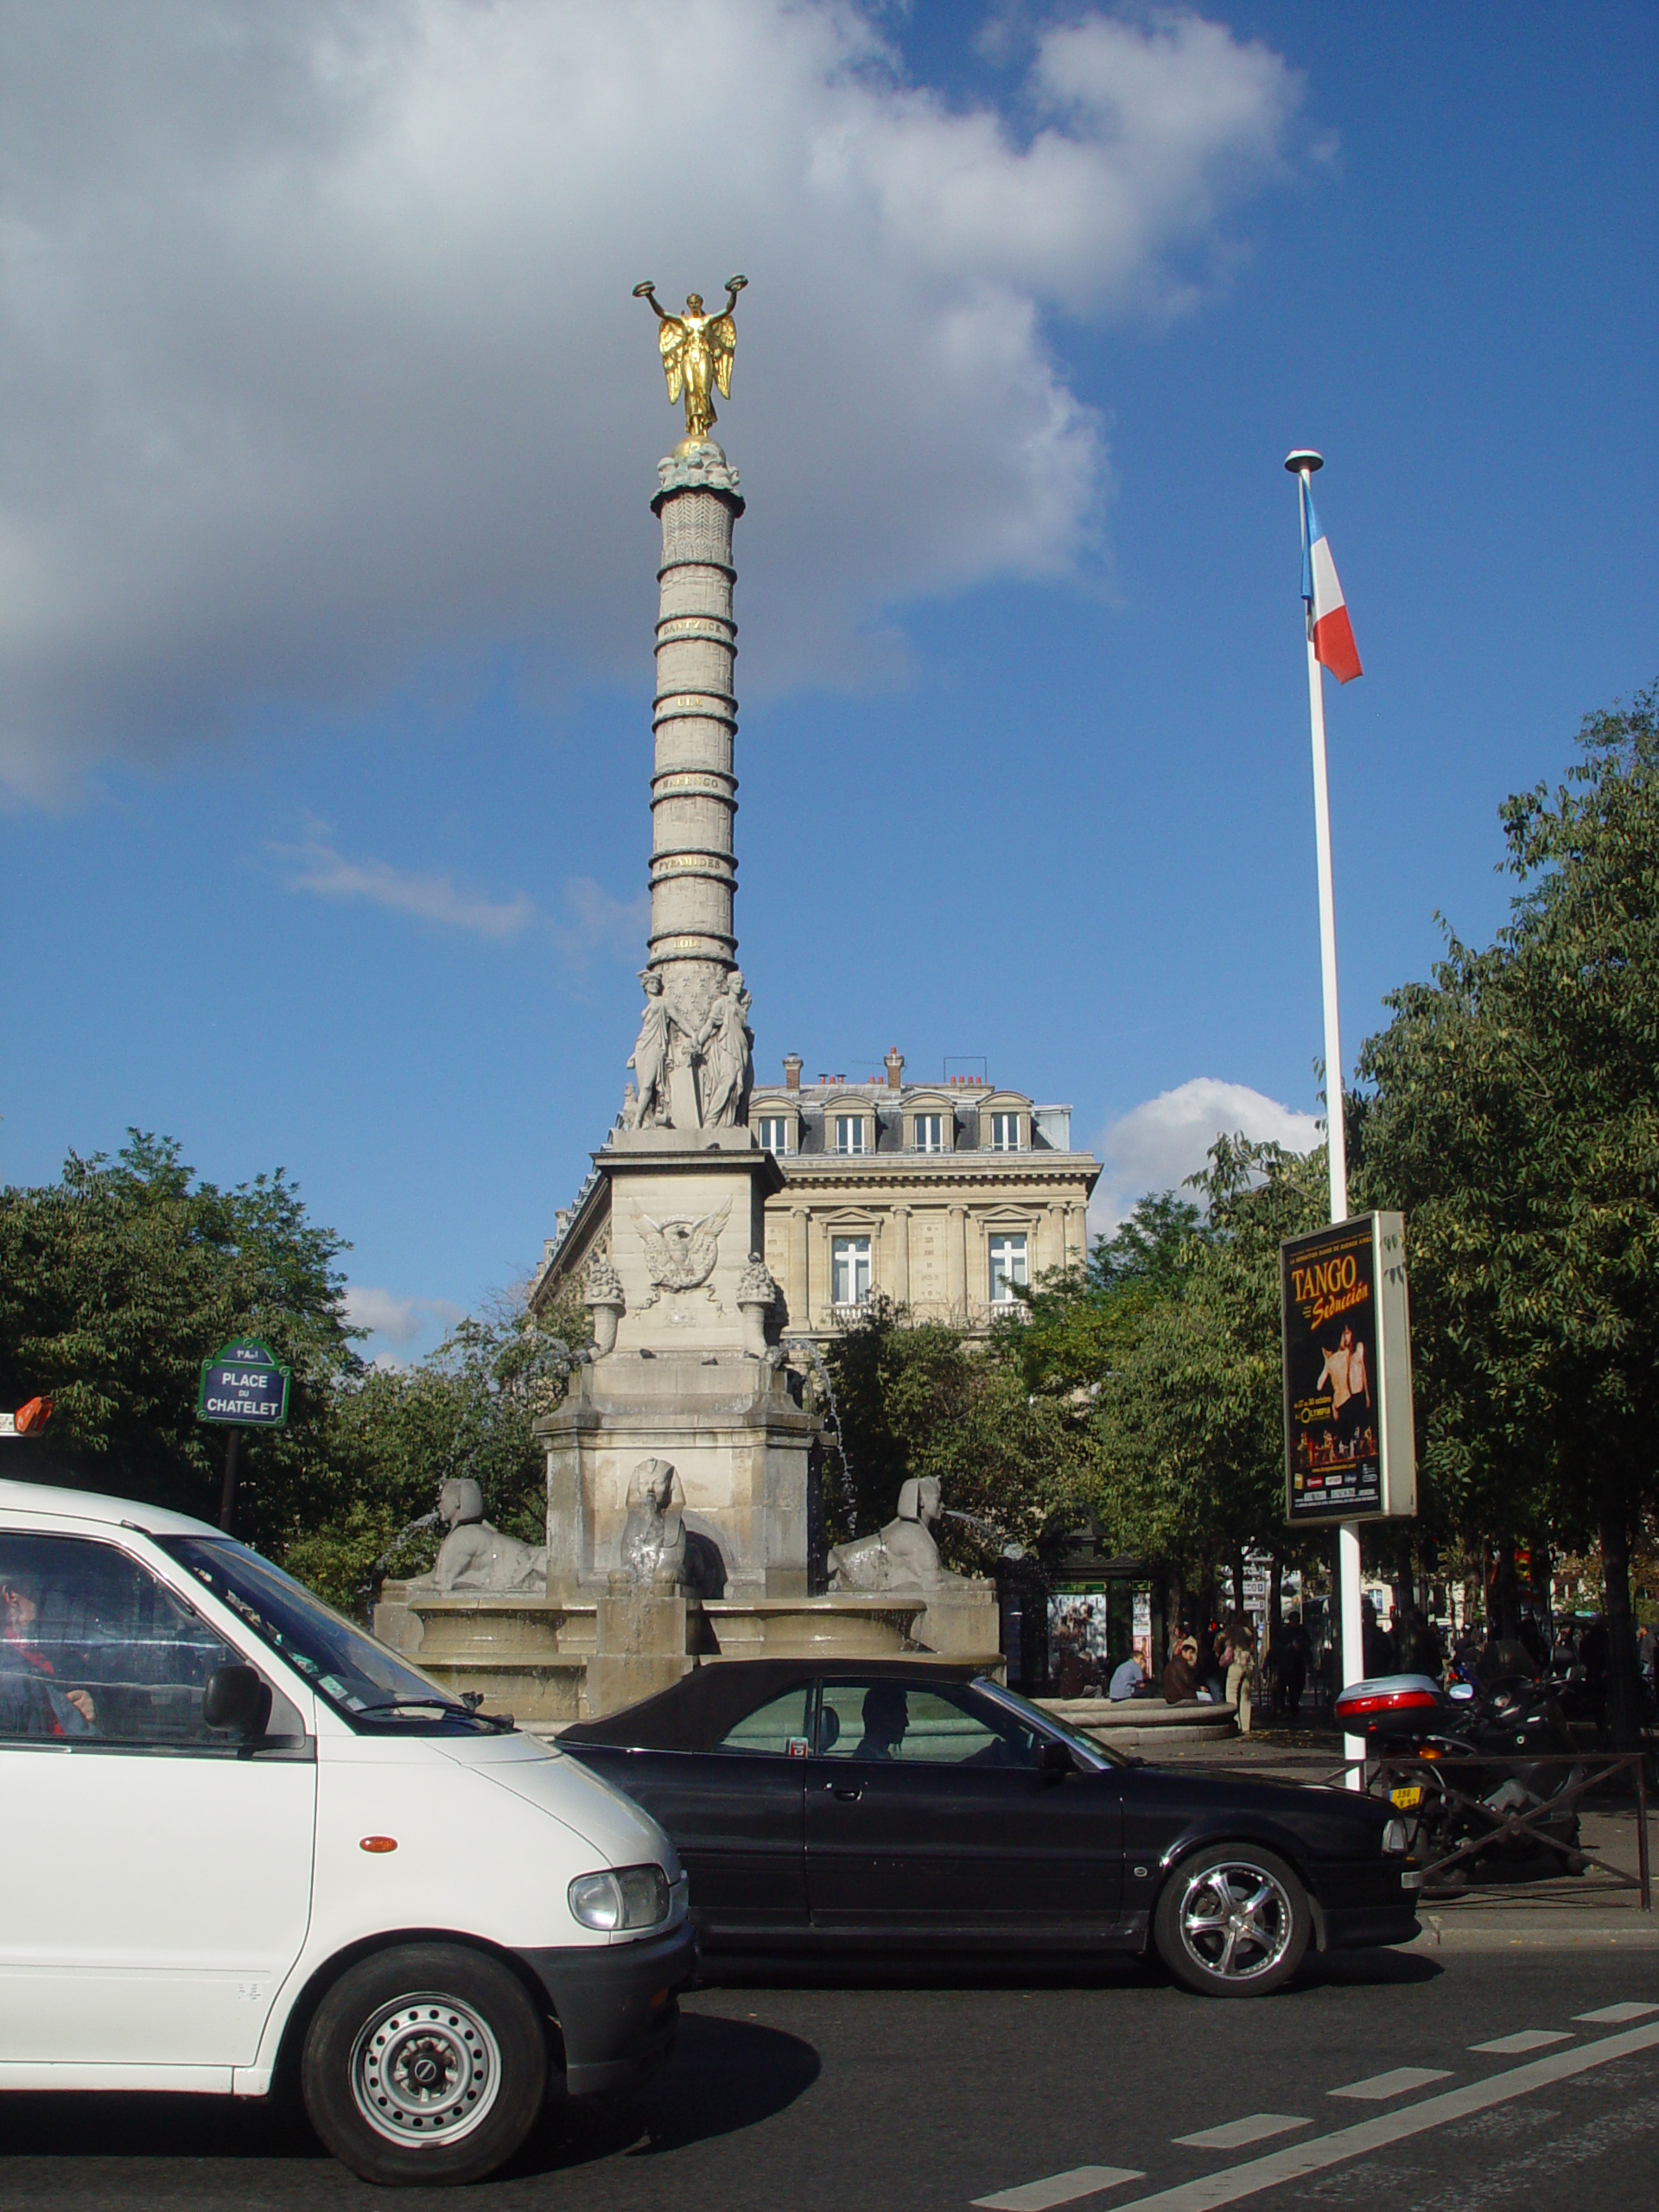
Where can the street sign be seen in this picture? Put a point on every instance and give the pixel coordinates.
(1349, 1445)
(243, 1384)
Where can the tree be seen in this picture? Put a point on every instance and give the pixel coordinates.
(468, 1408)
(1516, 1120)
(917, 1398)
(119, 1281)
(1190, 1418)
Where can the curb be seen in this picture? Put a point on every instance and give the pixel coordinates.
(1637, 1932)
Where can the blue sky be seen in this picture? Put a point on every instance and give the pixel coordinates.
(327, 571)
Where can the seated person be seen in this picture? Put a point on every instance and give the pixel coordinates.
(1126, 1680)
(886, 1714)
(1181, 1676)
(31, 1704)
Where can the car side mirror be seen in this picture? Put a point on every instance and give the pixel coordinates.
(1056, 1760)
(236, 1700)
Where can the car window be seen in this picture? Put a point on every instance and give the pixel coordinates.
(369, 1684)
(94, 1649)
(899, 1722)
(778, 1727)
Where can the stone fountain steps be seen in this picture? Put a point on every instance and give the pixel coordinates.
(550, 1661)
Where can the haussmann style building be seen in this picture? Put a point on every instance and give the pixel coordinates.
(945, 1197)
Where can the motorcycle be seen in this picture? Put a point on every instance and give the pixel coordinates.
(1482, 1748)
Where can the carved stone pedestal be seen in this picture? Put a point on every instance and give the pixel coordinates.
(645, 1642)
(738, 1435)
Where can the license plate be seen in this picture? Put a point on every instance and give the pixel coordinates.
(1405, 1799)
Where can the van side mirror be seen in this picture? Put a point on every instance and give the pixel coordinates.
(236, 1700)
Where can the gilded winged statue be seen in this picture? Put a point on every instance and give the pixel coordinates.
(697, 350)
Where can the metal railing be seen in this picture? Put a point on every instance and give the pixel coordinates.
(1501, 1826)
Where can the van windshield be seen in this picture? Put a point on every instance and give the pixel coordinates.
(369, 1685)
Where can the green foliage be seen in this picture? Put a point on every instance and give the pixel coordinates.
(916, 1398)
(1516, 1119)
(1190, 1419)
(470, 1409)
(119, 1281)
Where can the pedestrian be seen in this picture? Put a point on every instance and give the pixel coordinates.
(1181, 1676)
(1241, 1671)
(1296, 1656)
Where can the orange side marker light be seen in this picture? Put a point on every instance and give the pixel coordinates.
(379, 1843)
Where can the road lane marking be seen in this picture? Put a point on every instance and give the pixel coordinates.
(1297, 2160)
(1239, 2132)
(1615, 2016)
(1394, 2083)
(1526, 2039)
(1059, 2188)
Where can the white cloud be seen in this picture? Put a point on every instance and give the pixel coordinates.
(1155, 1147)
(322, 368)
(597, 923)
(317, 868)
(400, 1319)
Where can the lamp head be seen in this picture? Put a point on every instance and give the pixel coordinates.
(1304, 458)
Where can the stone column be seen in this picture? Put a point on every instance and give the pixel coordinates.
(956, 1259)
(1077, 1235)
(1057, 1255)
(901, 1256)
(794, 1287)
(824, 1285)
(694, 791)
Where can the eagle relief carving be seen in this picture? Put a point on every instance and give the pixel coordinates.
(680, 1249)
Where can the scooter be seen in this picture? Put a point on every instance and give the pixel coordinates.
(1481, 1749)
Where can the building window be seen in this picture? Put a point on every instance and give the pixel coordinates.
(1005, 1133)
(849, 1133)
(774, 1132)
(930, 1133)
(1007, 1266)
(849, 1269)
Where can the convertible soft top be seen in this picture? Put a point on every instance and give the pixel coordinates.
(702, 1706)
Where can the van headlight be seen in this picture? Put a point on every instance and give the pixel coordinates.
(1394, 1843)
(623, 1897)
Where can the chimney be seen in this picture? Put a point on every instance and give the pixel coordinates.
(793, 1067)
(895, 1067)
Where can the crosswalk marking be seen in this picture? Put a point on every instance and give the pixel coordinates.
(1294, 2162)
(1526, 2039)
(1394, 2083)
(1238, 2132)
(1058, 2189)
(1613, 2016)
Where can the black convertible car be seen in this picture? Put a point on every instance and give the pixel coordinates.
(898, 1807)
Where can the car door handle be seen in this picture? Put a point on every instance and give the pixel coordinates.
(848, 1792)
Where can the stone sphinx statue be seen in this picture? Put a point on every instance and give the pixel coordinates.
(903, 1555)
(474, 1558)
(659, 1552)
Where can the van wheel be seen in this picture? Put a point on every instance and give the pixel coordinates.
(424, 2063)
(1232, 1921)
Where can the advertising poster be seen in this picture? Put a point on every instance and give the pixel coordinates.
(1349, 1446)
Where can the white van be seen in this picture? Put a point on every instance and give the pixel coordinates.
(242, 1846)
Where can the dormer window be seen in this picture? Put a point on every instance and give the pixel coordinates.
(773, 1132)
(1005, 1133)
(930, 1133)
(851, 1133)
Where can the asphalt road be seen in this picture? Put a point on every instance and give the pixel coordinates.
(931, 2098)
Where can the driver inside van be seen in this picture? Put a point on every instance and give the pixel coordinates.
(31, 1704)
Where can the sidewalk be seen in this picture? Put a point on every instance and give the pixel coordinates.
(1581, 1912)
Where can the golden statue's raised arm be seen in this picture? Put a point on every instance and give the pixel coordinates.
(696, 353)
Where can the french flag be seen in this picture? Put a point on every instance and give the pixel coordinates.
(1327, 612)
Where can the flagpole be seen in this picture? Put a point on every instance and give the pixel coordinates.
(1302, 465)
